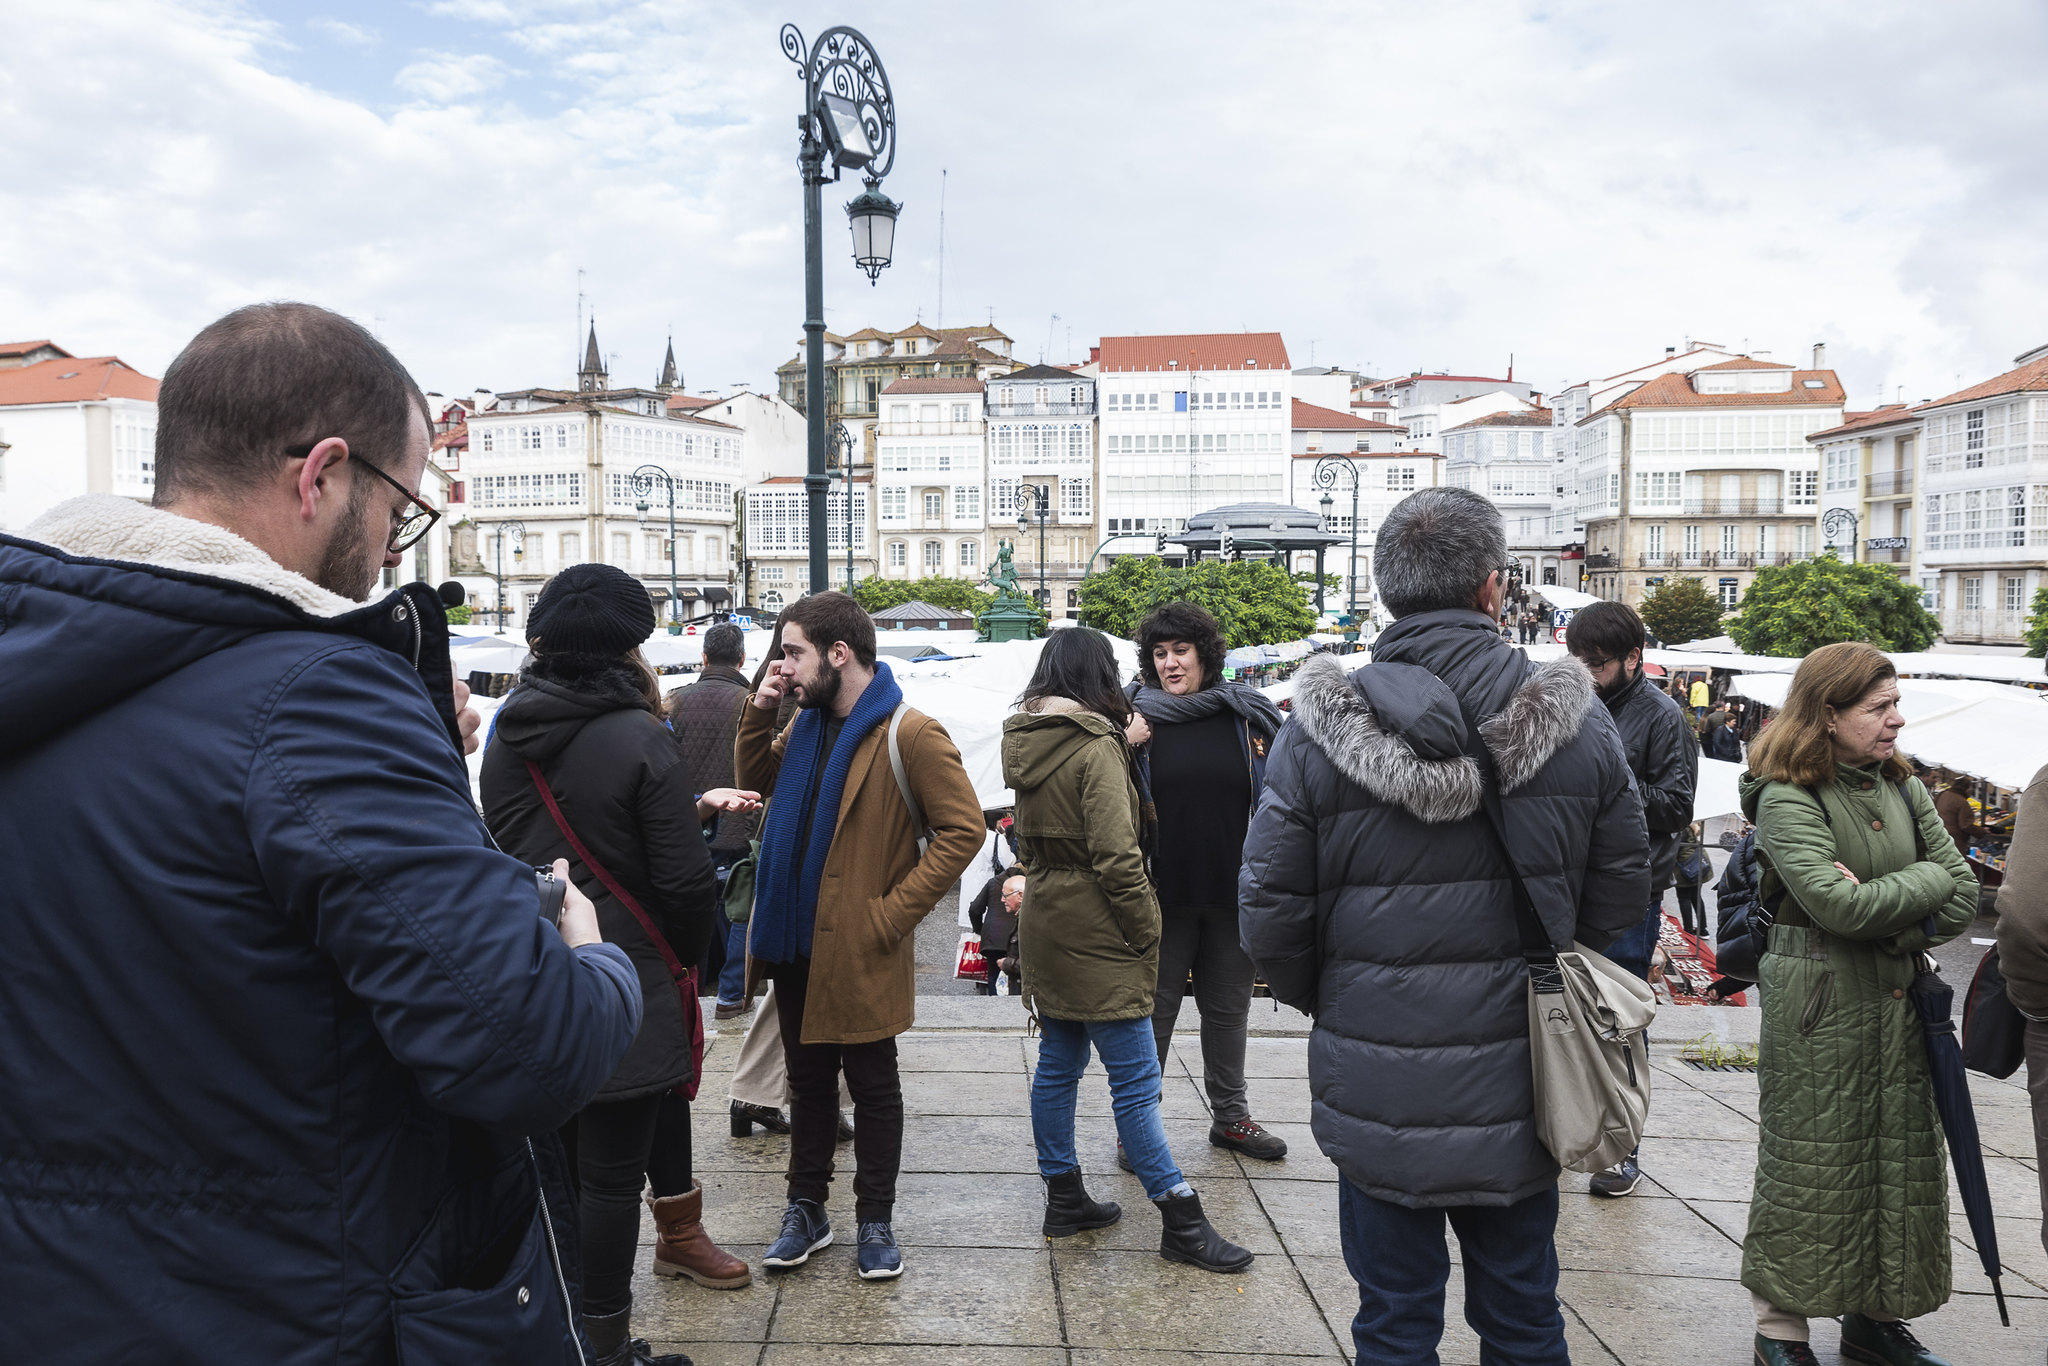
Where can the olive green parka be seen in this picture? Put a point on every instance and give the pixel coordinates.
(1850, 1211)
(1088, 932)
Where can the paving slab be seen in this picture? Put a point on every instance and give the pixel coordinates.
(872, 1354)
(1666, 1238)
(679, 1310)
(1648, 1320)
(961, 1296)
(1114, 1299)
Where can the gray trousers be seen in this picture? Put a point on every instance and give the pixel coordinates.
(1206, 940)
(2037, 1089)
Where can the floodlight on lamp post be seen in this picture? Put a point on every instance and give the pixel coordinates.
(1327, 470)
(644, 480)
(1329, 505)
(849, 123)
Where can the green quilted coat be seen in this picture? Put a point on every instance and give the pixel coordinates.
(1850, 1210)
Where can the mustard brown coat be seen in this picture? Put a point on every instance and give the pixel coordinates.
(876, 889)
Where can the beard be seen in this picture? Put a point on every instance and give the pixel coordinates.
(1617, 687)
(344, 568)
(822, 693)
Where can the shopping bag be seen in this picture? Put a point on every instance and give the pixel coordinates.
(969, 965)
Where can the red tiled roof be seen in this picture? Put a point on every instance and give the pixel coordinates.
(1311, 417)
(1522, 417)
(691, 401)
(1697, 349)
(74, 380)
(868, 334)
(457, 437)
(1674, 391)
(941, 384)
(1877, 417)
(12, 350)
(1200, 351)
(1451, 379)
(2029, 377)
(1744, 363)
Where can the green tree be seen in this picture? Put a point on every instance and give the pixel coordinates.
(1679, 610)
(958, 595)
(1256, 602)
(459, 616)
(1792, 610)
(2037, 623)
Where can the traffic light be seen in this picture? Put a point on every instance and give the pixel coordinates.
(1228, 549)
(1159, 543)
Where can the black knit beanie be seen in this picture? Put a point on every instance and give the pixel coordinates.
(592, 609)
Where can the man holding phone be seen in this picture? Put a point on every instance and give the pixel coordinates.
(281, 1014)
(841, 887)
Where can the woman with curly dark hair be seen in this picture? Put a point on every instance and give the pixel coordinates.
(1202, 765)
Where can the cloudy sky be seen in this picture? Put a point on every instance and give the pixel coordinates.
(1393, 186)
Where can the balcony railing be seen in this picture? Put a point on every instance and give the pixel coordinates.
(932, 428)
(1735, 507)
(1086, 409)
(1890, 483)
(1715, 559)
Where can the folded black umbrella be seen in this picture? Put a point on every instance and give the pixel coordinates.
(1934, 1002)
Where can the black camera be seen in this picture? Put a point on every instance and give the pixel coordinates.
(553, 891)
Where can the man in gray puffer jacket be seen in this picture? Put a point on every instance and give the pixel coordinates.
(1376, 897)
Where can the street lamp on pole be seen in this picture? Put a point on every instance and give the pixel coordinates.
(644, 480)
(517, 531)
(842, 443)
(848, 122)
(1327, 470)
(1831, 523)
(1041, 508)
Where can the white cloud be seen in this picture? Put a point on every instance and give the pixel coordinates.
(356, 35)
(1400, 186)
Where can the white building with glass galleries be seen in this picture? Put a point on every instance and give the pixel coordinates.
(1508, 457)
(1190, 423)
(931, 479)
(565, 472)
(1983, 503)
(778, 539)
(1041, 453)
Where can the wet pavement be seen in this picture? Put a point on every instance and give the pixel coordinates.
(1646, 1280)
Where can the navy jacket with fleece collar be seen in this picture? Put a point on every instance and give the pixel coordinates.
(276, 1011)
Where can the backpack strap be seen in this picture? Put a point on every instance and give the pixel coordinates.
(896, 764)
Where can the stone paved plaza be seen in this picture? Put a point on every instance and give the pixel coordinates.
(1646, 1281)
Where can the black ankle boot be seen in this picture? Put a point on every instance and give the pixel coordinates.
(745, 1117)
(1068, 1209)
(612, 1345)
(1185, 1236)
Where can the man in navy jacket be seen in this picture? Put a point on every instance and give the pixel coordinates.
(276, 1014)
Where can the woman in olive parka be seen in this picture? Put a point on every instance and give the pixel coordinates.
(1850, 1213)
(1088, 941)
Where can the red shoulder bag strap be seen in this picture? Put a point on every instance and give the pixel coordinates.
(685, 978)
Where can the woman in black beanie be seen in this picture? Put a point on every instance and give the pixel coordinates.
(583, 728)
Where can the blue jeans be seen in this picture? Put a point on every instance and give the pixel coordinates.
(1632, 951)
(1398, 1257)
(732, 978)
(1133, 1066)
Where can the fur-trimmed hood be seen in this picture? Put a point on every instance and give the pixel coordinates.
(1397, 731)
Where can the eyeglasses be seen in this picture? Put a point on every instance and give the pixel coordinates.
(406, 529)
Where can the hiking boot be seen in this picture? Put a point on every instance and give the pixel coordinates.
(1185, 1236)
(611, 1345)
(880, 1260)
(805, 1229)
(745, 1117)
(682, 1248)
(1247, 1137)
(1618, 1180)
(1882, 1342)
(1068, 1209)
(1779, 1352)
(845, 1133)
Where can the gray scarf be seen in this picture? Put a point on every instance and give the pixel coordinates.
(1161, 707)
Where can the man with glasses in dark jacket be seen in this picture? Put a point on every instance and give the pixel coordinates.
(706, 718)
(277, 1012)
(1608, 639)
(1378, 898)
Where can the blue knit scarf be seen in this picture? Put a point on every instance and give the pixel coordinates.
(787, 878)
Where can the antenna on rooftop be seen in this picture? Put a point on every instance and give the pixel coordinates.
(942, 247)
(577, 349)
(1048, 338)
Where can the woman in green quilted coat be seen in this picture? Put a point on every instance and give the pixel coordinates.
(1850, 1213)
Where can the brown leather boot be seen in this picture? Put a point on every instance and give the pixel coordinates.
(682, 1248)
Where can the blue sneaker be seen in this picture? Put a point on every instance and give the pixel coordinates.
(805, 1229)
(879, 1258)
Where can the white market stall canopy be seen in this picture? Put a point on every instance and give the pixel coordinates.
(1558, 596)
(1992, 730)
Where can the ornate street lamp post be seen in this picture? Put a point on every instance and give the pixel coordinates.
(517, 530)
(1041, 508)
(1327, 469)
(848, 121)
(842, 442)
(1831, 524)
(644, 480)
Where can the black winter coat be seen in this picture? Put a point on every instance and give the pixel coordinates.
(1374, 896)
(275, 1013)
(1658, 740)
(626, 791)
(705, 716)
(1722, 743)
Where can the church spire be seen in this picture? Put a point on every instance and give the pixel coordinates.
(671, 379)
(592, 378)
